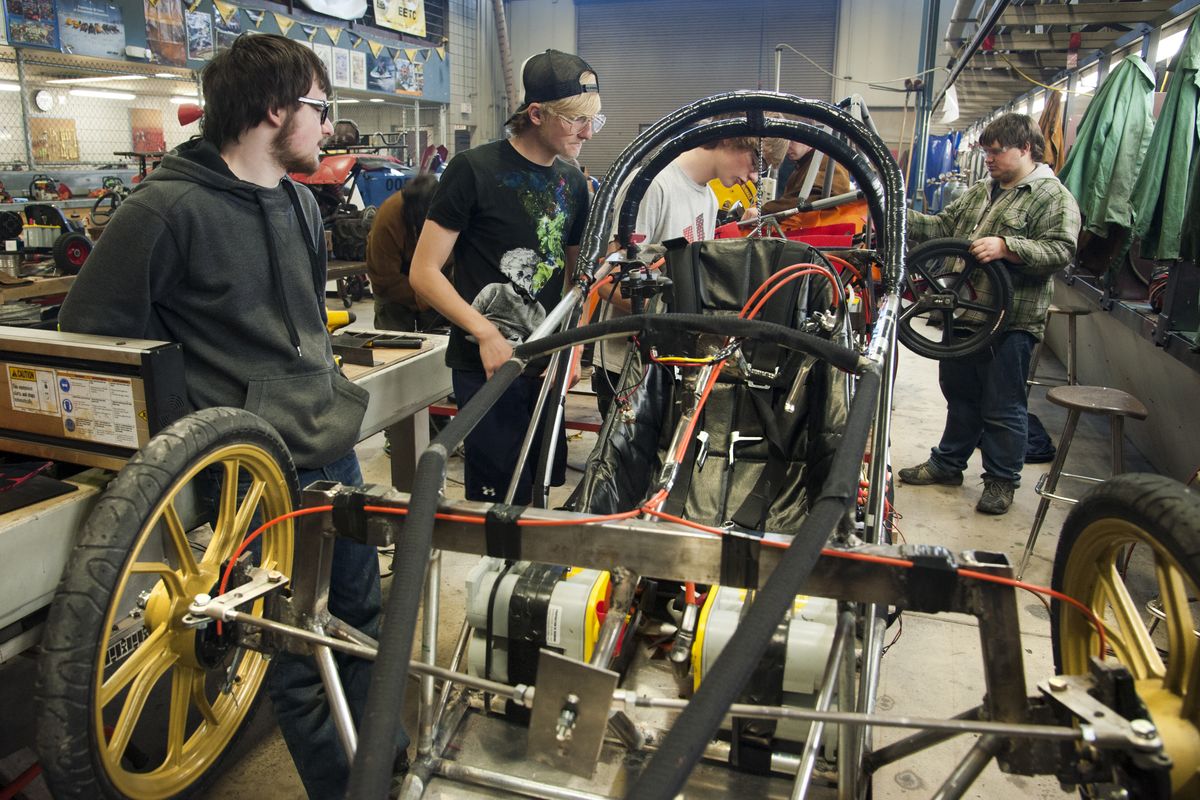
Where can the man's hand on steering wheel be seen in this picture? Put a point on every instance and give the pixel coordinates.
(991, 248)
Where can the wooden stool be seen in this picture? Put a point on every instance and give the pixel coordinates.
(1116, 405)
(1071, 312)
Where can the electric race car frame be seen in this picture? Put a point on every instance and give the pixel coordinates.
(1090, 727)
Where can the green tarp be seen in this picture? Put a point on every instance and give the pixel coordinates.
(1110, 145)
(1160, 197)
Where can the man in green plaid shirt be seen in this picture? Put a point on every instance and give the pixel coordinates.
(1024, 216)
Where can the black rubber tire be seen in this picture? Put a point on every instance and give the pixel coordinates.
(1162, 517)
(71, 647)
(70, 251)
(956, 342)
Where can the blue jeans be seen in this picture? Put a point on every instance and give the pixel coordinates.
(293, 683)
(986, 408)
(492, 447)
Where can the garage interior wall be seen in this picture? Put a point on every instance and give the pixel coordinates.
(653, 58)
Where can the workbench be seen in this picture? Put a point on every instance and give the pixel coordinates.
(36, 287)
(35, 541)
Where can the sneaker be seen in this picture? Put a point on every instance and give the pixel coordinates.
(925, 473)
(997, 496)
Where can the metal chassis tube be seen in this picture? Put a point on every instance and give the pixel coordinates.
(992, 604)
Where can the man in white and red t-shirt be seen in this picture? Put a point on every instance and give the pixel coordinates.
(677, 204)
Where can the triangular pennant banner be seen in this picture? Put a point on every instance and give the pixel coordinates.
(255, 16)
(355, 39)
(411, 53)
(376, 47)
(193, 5)
(310, 31)
(153, 3)
(334, 32)
(227, 11)
(284, 22)
(441, 51)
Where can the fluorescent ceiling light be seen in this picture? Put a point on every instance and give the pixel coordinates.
(344, 102)
(9, 87)
(100, 79)
(1038, 104)
(169, 76)
(103, 94)
(375, 100)
(181, 100)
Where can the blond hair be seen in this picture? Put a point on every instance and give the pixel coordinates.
(581, 105)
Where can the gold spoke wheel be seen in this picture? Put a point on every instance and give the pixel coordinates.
(161, 702)
(1160, 520)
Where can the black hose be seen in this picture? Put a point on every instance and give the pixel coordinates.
(842, 358)
(371, 773)
(668, 770)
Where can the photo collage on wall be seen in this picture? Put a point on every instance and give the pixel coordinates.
(32, 23)
(91, 28)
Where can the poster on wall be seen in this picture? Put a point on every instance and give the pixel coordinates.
(406, 16)
(54, 140)
(3, 26)
(358, 69)
(325, 53)
(147, 127)
(91, 28)
(32, 23)
(341, 67)
(410, 75)
(381, 71)
(165, 35)
(228, 23)
(199, 35)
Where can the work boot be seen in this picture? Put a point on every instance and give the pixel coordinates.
(997, 496)
(926, 473)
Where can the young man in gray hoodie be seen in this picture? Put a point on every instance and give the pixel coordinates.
(219, 250)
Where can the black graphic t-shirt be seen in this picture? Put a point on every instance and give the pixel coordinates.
(515, 220)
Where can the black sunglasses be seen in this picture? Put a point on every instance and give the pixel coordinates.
(321, 105)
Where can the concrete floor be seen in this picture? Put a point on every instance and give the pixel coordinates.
(933, 669)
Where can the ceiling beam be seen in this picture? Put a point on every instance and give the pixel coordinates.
(1051, 40)
(1098, 13)
(1029, 62)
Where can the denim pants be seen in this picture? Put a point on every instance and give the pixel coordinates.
(293, 682)
(986, 408)
(492, 447)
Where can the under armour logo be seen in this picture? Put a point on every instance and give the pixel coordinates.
(488, 491)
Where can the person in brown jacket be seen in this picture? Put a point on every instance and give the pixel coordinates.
(390, 247)
(802, 156)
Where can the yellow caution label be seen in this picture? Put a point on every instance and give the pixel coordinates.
(21, 374)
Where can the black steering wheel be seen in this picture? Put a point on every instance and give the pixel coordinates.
(951, 304)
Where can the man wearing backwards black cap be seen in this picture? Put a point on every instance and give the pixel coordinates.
(512, 214)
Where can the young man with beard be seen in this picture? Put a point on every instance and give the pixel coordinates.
(512, 213)
(219, 250)
(1024, 216)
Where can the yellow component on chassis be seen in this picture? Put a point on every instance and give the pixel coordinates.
(729, 196)
(164, 698)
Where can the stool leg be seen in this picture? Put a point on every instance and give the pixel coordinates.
(1118, 445)
(1072, 378)
(1050, 485)
(1033, 368)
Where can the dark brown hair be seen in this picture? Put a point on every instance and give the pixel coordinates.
(418, 197)
(1015, 130)
(256, 75)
